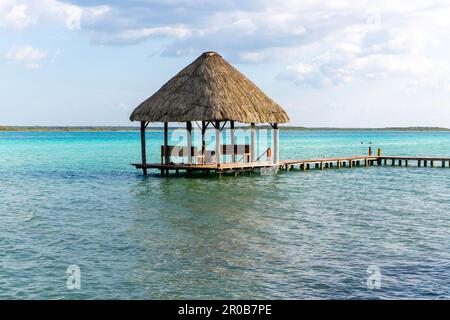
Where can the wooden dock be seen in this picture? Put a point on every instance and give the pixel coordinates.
(418, 161)
(303, 164)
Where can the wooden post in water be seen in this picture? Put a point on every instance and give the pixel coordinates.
(443, 163)
(189, 141)
(252, 142)
(218, 136)
(418, 163)
(370, 151)
(143, 148)
(431, 163)
(379, 152)
(232, 141)
(406, 162)
(425, 163)
(338, 164)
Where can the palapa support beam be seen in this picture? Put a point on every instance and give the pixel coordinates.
(218, 143)
(232, 141)
(275, 143)
(252, 142)
(204, 127)
(143, 147)
(189, 141)
(166, 143)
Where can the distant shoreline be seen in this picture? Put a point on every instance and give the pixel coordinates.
(131, 128)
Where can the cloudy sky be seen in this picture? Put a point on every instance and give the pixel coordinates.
(329, 63)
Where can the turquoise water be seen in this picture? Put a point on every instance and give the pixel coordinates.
(73, 199)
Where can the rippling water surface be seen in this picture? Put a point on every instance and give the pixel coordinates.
(73, 199)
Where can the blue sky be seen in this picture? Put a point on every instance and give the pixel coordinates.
(328, 63)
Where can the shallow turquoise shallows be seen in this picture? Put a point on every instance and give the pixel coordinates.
(73, 199)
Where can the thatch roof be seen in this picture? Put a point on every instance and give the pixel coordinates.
(209, 89)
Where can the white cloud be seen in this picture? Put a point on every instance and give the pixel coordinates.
(400, 41)
(27, 55)
(18, 17)
(319, 42)
(25, 13)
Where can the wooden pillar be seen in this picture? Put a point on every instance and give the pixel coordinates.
(370, 151)
(143, 148)
(418, 163)
(232, 141)
(252, 142)
(425, 163)
(275, 143)
(338, 164)
(432, 163)
(400, 162)
(189, 141)
(379, 152)
(166, 143)
(218, 143)
(203, 139)
(443, 163)
(406, 163)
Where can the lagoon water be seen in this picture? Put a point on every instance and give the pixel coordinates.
(73, 199)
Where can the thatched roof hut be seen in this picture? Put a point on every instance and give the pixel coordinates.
(210, 89)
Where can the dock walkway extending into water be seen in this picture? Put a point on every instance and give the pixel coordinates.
(303, 164)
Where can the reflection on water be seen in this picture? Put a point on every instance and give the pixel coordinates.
(294, 235)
